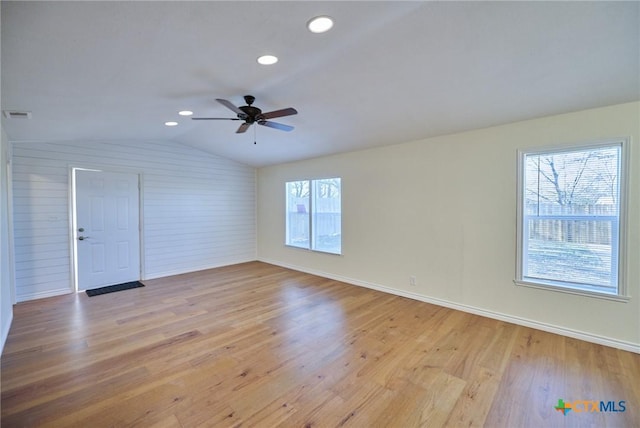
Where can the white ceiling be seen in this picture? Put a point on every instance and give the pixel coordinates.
(388, 72)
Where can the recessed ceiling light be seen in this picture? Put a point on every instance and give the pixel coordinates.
(267, 59)
(185, 113)
(320, 24)
(171, 123)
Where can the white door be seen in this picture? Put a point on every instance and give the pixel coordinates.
(107, 233)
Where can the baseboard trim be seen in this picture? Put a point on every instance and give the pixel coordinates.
(174, 272)
(5, 332)
(550, 328)
(43, 294)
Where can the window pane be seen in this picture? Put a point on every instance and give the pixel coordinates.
(583, 182)
(298, 214)
(571, 218)
(571, 251)
(327, 212)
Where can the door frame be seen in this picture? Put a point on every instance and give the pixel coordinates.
(73, 224)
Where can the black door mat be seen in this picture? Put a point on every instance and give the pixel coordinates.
(114, 288)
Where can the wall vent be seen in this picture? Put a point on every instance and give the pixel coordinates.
(15, 114)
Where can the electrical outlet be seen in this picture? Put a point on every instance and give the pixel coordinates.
(412, 280)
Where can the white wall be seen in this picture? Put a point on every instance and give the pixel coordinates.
(6, 296)
(444, 209)
(199, 209)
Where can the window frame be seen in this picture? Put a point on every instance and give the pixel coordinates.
(312, 186)
(620, 256)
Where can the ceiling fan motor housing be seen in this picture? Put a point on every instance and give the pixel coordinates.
(251, 114)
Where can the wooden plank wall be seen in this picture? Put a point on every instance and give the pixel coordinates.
(199, 209)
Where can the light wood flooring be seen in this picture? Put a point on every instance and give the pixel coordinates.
(255, 345)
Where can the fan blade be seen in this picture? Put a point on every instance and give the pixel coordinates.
(230, 106)
(280, 113)
(214, 118)
(243, 128)
(276, 125)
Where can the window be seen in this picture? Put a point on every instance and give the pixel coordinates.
(314, 215)
(569, 219)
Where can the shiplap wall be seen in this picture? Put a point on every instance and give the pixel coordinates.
(6, 294)
(198, 209)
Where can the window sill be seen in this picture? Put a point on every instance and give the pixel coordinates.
(559, 289)
(313, 251)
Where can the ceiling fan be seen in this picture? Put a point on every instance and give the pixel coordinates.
(251, 115)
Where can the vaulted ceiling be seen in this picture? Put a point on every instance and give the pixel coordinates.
(388, 71)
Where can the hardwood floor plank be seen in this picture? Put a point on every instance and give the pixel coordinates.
(170, 421)
(256, 345)
(475, 399)
(443, 392)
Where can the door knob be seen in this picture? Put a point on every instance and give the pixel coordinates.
(82, 238)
